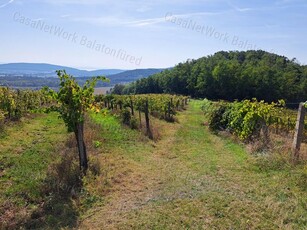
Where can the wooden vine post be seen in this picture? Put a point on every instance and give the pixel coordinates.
(148, 130)
(140, 118)
(299, 128)
(169, 110)
(131, 106)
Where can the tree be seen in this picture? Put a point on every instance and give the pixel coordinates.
(74, 101)
(118, 89)
(230, 75)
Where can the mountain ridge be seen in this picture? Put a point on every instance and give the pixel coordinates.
(49, 69)
(41, 74)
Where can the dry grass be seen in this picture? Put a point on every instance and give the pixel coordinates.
(131, 181)
(53, 192)
(278, 145)
(191, 179)
(186, 179)
(66, 192)
(24, 155)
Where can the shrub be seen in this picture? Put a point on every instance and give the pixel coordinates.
(2, 117)
(207, 107)
(134, 124)
(216, 121)
(97, 144)
(125, 116)
(245, 119)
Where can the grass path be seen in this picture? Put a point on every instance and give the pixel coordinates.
(27, 148)
(25, 155)
(192, 179)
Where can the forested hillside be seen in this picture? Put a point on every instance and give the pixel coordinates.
(231, 75)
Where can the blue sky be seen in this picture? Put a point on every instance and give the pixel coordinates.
(92, 34)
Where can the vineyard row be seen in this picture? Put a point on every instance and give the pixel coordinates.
(162, 106)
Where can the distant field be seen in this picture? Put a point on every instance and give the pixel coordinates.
(101, 90)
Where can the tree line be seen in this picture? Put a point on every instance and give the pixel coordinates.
(229, 76)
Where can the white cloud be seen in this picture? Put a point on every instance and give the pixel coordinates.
(116, 21)
(239, 9)
(65, 15)
(143, 9)
(7, 3)
(76, 2)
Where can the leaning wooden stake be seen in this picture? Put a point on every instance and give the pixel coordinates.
(298, 136)
(148, 130)
(83, 160)
(140, 118)
(131, 106)
(169, 111)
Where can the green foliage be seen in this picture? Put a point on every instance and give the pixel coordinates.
(125, 116)
(163, 106)
(134, 123)
(229, 76)
(207, 107)
(2, 116)
(73, 99)
(97, 144)
(216, 123)
(118, 89)
(15, 103)
(245, 119)
(73, 102)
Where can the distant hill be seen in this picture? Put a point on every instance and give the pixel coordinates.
(33, 75)
(229, 76)
(132, 75)
(48, 70)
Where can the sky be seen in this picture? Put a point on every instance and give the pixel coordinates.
(92, 34)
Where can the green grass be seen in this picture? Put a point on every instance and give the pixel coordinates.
(192, 179)
(25, 156)
(26, 150)
(118, 140)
